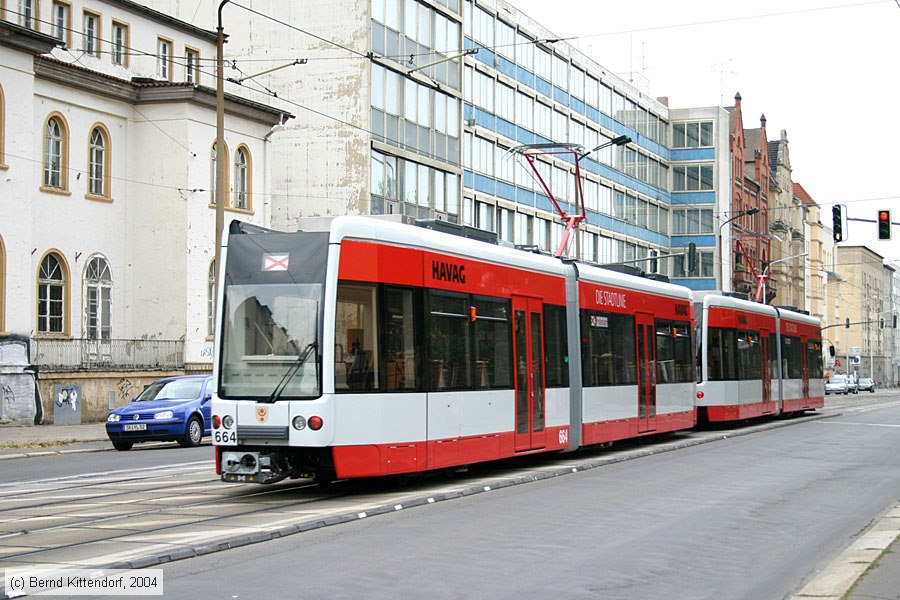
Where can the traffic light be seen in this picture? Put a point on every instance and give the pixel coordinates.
(837, 225)
(884, 224)
(692, 258)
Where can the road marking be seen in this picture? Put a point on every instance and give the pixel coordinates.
(855, 423)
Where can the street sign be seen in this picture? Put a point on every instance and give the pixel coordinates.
(855, 351)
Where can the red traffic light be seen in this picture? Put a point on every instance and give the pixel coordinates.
(884, 224)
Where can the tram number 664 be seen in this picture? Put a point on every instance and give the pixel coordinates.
(224, 437)
(564, 437)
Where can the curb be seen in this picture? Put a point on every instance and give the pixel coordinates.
(836, 580)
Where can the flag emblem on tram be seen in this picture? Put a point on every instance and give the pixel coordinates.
(275, 262)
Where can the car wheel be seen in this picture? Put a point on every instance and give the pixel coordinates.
(193, 433)
(122, 445)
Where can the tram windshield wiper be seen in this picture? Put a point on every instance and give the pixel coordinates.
(292, 370)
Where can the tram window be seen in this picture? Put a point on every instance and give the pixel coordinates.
(608, 349)
(493, 348)
(356, 361)
(448, 338)
(674, 352)
(814, 359)
(401, 352)
(792, 367)
(556, 346)
(722, 354)
(749, 355)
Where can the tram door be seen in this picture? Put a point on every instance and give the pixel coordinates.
(646, 371)
(765, 372)
(804, 365)
(529, 364)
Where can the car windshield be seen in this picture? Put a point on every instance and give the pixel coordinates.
(837, 379)
(176, 389)
(865, 381)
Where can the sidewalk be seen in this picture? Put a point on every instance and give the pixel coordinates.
(18, 441)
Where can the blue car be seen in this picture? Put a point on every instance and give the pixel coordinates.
(173, 409)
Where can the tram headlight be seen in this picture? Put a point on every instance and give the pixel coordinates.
(299, 423)
(227, 421)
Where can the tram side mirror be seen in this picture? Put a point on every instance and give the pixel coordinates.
(831, 350)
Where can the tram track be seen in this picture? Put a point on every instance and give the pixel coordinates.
(160, 514)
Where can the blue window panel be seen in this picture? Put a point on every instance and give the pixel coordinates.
(577, 105)
(506, 191)
(542, 202)
(468, 111)
(592, 113)
(523, 136)
(469, 179)
(560, 96)
(506, 67)
(704, 242)
(694, 154)
(693, 197)
(485, 184)
(695, 284)
(505, 128)
(543, 86)
(525, 197)
(469, 43)
(525, 76)
(486, 119)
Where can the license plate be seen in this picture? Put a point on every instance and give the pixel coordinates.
(135, 427)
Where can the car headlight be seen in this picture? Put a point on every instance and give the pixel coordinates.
(162, 416)
(113, 417)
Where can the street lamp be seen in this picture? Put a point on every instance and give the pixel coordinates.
(220, 147)
(737, 215)
(616, 141)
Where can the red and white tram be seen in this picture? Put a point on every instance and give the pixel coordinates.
(370, 347)
(756, 360)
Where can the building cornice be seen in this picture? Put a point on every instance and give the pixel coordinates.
(26, 40)
(147, 91)
(134, 7)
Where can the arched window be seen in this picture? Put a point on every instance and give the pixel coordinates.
(56, 150)
(98, 163)
(211, 300)
(97, 299)
(51, 297)
(242, 178)
(212, 173)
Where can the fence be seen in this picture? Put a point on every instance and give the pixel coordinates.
(52, 354)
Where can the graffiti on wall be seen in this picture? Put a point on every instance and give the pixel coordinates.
(6, 400)
(126, 389)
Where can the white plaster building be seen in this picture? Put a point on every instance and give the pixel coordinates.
(107, 131)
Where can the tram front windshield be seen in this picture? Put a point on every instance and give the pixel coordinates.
(271, 330)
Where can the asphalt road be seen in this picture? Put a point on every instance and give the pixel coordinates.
(753, 517)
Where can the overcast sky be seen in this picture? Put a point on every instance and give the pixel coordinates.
(826, 71)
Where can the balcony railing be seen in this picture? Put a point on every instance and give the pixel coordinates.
(60, 354)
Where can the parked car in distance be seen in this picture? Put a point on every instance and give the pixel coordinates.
(866, 384)
(172, 409)
(837, 384)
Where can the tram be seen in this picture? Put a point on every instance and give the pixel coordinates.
(756, 360)
(363, 347)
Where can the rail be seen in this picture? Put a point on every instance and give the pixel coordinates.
(54, 354)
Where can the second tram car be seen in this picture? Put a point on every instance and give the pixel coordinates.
(362, 347)
(756, 360)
